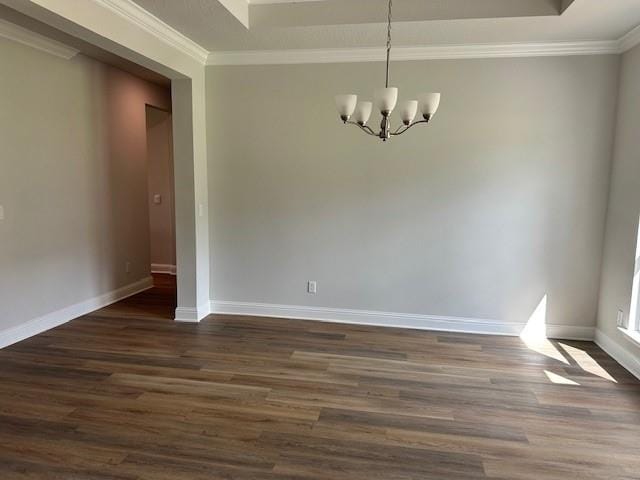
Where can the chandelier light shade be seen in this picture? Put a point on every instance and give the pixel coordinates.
(408, 111)
(346, 104)
(429, 103)
(385, 101)
(363, 113)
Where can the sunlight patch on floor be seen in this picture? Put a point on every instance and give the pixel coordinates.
(586, 362)
(546, 348)
(559, 379)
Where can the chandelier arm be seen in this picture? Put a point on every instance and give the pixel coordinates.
(402, 127)
(398, 132)
(365, 128)
(369, 130)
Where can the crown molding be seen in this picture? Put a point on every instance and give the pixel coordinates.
(148, 22)
(27, 37)
(443, 52)
(630, 40)
(138, 16)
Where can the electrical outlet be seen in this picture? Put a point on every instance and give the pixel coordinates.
(620, 319)
(312, 287)
(127, 267)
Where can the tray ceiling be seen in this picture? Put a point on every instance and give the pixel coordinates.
(231, 25)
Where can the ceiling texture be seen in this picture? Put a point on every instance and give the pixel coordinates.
(254, 25)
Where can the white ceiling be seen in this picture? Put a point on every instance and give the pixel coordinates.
(321, 24)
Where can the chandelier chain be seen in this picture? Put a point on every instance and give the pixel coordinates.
(389, 18)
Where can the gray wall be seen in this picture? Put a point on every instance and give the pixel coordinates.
(624, 206)
(499, 202)
(72, 180)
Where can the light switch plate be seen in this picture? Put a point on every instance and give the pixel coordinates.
(157, 199)
(1, 213)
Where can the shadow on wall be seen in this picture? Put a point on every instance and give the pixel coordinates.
(116, 181)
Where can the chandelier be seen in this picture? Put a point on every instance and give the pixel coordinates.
(385, 100)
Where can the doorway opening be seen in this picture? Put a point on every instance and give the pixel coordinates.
(161, 197)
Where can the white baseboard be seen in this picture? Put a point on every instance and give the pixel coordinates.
(571, 332)
(390, 319)
(618, 353)
(187, 315)
(163, 268)
(192, 315)
(64, 315)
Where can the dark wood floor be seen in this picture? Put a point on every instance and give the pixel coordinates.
(126, 393)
